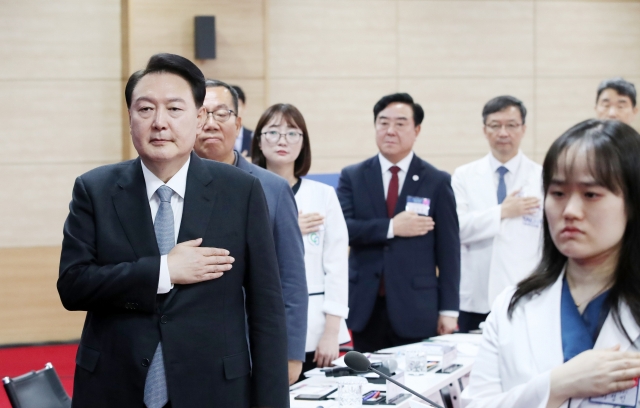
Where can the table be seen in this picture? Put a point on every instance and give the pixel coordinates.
(429, 384)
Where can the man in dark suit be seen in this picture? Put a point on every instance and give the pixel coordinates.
(244, 136)
(167, 323)
(404, 266)
(215, 142)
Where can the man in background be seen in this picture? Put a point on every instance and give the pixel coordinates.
(215, 142)
(147, 251)
(616, 99)
(402, 222)
(498, 201)
(243, 140)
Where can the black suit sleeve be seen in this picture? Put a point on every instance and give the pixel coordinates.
(372, 231)
(447, 249)
(85, 284)
(265, 309)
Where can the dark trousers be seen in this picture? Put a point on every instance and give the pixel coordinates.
(378, 333)
(470, 321)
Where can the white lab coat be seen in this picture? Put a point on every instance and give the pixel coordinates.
(326, 261)
(516, 356)
(494, 253)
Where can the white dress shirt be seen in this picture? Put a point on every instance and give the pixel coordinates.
(178, 183)
(403, 164)
(512, 165)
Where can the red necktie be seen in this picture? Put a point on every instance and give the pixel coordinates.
(392, 199)
(392, 193)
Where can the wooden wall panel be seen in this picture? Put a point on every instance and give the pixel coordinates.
(338, 113)
(60, 121)
(453, 114)
(332, 38)
(564, 102)
(30, 308)
(588, 39)
(35, 215)
(465, 38)
(71, 39)
(168, 26)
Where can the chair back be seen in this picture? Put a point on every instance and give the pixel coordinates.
(37, 389)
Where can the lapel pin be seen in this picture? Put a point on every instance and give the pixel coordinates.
(415, 177)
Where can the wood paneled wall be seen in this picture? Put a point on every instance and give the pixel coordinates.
(60, 109)
(63, 66)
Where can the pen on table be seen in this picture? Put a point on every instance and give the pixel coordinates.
(368, 395)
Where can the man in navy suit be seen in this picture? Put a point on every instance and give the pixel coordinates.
(215, 142)
(244, 136)
(148, 251)
(404, 266)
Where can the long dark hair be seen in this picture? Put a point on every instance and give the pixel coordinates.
(292, 117)
(613, 158)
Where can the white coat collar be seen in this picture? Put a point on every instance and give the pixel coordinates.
(542, 315)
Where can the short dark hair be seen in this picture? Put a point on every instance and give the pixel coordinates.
(502, 102)
(621, 86)
(293, 117)
(240, 93)
(612, 155)
(418, 113)
(214, 83)
(172, 64)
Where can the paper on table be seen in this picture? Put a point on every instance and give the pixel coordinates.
(416, 404)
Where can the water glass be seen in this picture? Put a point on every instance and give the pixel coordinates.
(350, 390)
(416, 360)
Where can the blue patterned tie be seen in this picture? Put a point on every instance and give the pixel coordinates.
(502, 187)
(155, 386)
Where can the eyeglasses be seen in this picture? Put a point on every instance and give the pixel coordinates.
(509, 127)
(221, 115)
(273, 136)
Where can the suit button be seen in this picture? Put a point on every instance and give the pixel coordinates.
(386, 248)
(164, 319)
(145, 362)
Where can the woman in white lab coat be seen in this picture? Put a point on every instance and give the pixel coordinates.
(281, 145)
(565, 335)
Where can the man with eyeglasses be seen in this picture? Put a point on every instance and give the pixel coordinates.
(403, 229)
(216, 142)
(498, 202)
(616, 99)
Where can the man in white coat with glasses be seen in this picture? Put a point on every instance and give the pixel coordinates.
(499, 201)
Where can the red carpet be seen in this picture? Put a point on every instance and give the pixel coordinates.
(15, 361)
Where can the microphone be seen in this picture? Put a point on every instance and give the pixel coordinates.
(387, 367)
(359, 362)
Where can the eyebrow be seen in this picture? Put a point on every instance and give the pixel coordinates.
(147, 99)
(398, 118)
(561, 182)
(220, 106)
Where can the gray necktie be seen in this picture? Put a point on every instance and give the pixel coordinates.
(502, 187)
(155, 386)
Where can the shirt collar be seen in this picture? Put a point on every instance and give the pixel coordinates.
(178, 183)
(403, 164)
(512, 165)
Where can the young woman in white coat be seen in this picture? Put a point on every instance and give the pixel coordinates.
(281, 145)
(570, 332)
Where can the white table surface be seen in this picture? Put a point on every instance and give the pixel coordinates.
(427, 384)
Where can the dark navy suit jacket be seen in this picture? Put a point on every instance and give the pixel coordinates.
(110, 266)
(283, 214)
(415, 293)
(247, 137)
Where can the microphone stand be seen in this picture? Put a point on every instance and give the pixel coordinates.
(404, 387)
